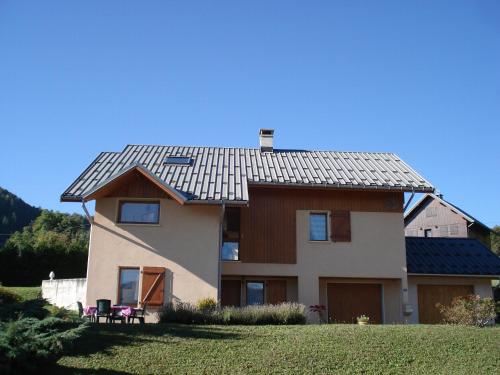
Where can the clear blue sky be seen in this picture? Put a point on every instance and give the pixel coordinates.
(418, 78)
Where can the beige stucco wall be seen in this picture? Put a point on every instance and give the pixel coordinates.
(376, 250)
(185, 242)
(482, 287)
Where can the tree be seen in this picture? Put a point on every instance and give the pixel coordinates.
(53, 242)
(495, 239)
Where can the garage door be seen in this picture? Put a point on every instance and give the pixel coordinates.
(348, 301)
(430, 295)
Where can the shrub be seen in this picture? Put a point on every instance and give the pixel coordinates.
(471, 310)
(7, 296)
(28, 344)
(206, 304)
(286, 313)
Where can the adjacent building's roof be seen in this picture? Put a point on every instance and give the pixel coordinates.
(450, 256)
(224, 174)
(429, 197)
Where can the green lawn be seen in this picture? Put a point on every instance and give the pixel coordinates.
(315, 349)
(26, 292)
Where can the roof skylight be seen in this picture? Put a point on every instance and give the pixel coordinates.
(178, 160)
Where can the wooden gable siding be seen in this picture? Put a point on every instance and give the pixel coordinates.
(268, 223)
(134, 185)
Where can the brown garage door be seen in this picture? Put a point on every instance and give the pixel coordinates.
(348, 301)
(430, 295)
(230, 292)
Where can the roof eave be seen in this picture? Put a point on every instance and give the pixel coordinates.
(451, 275)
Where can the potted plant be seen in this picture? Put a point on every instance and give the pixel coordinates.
(318, 309)
(363, 320)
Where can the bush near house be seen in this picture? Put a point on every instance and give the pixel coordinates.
(28, 344)
(471, 310)
(185, 313)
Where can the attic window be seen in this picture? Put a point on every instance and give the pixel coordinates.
(178, 160)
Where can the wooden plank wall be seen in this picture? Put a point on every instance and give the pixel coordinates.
(268, 223)
(133, 185)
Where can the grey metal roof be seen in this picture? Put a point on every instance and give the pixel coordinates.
(225, 173)
(450, 256)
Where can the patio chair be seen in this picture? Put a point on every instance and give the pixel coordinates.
(103, 309)
(138, 314)
(81, 314)
(116, 315)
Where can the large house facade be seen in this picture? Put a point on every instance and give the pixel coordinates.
(254, 226)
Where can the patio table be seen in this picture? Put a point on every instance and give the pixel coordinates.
(126, 311)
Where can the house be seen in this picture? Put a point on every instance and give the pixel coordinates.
(432, 216)
(252, 226)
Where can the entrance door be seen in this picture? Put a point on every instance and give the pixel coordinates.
(230, 293)
(348, 301)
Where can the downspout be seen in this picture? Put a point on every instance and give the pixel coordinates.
(219, 263)
(407, 307)
(91, 222)
(409, 201)
(89, 218)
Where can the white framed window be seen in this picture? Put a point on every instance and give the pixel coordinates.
(318, 226)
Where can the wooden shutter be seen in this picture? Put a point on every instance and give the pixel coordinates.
(341, 226)
(153, 286)
(276, 291)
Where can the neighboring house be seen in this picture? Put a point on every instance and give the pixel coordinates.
(252, 226)
(432, 216)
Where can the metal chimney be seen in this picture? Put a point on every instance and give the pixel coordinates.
(266, 137)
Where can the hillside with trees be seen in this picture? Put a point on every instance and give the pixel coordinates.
(15, 214)
(53, 241)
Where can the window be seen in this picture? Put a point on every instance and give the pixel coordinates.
(128, 290)
(178, 160)
(318, 227)
(230, 250)
(231, 234)
(139, 212)
(431, 211)
(454, 229)
(255, 293)
(427, 232)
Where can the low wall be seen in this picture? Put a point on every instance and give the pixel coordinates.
(65, 292)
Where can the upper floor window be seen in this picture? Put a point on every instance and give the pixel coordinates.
(139, 212)
(427, 232)
(318, 226)
(431, 211)
(231, 234)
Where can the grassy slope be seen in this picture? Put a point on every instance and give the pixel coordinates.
(318, 349)
(26, 292)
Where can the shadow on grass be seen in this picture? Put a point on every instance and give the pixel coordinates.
(58, 369)
(101, 338)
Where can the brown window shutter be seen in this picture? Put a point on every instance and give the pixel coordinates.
(341, 226)
(153, 286)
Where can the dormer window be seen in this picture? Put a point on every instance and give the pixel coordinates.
(179, 160)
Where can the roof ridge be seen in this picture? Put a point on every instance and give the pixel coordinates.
(258, 149)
